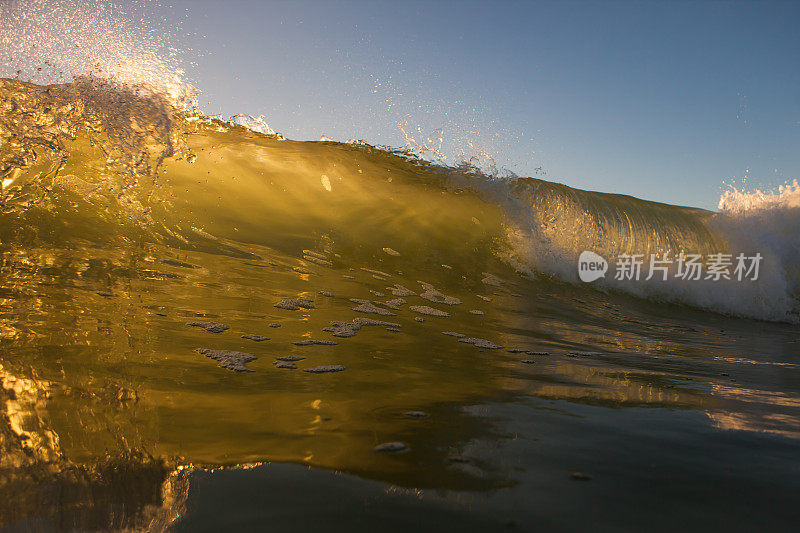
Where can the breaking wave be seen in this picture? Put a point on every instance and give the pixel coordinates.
(114, 161)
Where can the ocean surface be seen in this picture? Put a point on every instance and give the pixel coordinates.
(206, 325)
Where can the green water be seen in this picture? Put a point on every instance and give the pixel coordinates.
(111, 418)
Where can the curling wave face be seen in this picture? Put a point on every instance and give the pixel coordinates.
(115, 161)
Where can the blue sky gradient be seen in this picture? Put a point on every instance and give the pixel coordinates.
(660, 100)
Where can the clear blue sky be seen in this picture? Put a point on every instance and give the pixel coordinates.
(660, 100)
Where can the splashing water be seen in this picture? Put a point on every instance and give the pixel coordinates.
(735, 201)
(52, 41)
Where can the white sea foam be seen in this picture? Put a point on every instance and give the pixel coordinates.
(785, 196)
(549, 225)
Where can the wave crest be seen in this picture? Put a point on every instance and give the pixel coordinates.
(246, 185)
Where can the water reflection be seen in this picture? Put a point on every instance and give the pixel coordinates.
(105, 398)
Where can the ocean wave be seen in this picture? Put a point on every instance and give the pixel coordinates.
(118, 151)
